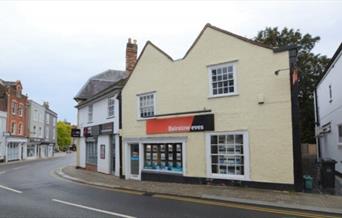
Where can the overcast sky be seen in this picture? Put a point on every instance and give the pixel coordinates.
(54, 47)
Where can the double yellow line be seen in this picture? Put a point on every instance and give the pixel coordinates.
(245, 207)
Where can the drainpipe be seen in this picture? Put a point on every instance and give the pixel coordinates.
(317, 124)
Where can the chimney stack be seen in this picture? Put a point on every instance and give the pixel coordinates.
(131, 55)
(46, 104)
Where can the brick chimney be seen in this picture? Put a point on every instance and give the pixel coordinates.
(131, 54)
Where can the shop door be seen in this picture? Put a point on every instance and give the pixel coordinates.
(91, 153)
(134, 161)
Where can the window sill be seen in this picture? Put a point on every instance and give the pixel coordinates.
(228, 177)
(110, 117)
(222, 95)
(162, 171)
(145, 118)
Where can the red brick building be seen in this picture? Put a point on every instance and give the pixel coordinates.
(15, 104)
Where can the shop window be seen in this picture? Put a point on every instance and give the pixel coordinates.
(228, 154)
(90, 113)
(222, 80)
(340, 134)
(146, 105)
(164, 157)
(111, 103)
(31, 150)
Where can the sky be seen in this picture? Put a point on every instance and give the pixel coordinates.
(53, 47)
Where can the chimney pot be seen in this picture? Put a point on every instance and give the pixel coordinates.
(134, 41)
(129, 40)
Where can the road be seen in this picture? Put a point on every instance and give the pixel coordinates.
(30, 189)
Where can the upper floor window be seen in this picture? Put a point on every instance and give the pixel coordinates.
(146, 105)
(339, 134)
(14, 107)
(222, 80)
(54, 133)
(54, 121)
(90, 113)
(21, 110)
(330, 94)
(47, 118)
(20, 129)
(111, 102)
(47, 132)
(13, 128)
(35, 115)
(40, 132)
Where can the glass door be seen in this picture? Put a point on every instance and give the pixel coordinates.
(134, 161)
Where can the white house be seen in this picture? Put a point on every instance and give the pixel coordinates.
(328, 109)
(3, 117)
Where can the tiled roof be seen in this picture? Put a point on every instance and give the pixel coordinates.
(99, 83)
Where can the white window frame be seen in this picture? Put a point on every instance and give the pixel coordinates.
(14, 107)
(215, 66)
(111, 107)
(53, 133)
(47, 118)
(13, 128)
(153, 93)
(21, 109)
(246, 176)
(90, 113)
(339, 137)
(20, 128)
(46, 132)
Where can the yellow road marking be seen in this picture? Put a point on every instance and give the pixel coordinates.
(244, 206)
(99, 187)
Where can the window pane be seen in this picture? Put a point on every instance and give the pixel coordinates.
(214, 149)
(214, 168)
(230, 69)
(239, 139)
(213, 139)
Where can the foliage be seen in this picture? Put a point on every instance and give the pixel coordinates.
(311, 67)
(63, 135)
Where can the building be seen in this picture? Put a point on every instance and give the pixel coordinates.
(36, 129)
(221, 114)
(47, 146)
(98, 104)
(3, 118)
(328, 110)
(15, 104)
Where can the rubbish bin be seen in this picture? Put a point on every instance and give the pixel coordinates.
(328, 173)
(308, 184)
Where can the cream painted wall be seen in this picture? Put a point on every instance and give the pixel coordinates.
(183, 86)
(103, 165)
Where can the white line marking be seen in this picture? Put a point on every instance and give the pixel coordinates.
(93, 209)
(10, 189)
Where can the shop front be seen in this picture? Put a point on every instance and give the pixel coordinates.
(33, 147)
(101, 153)
(16, 148)
(165, 158)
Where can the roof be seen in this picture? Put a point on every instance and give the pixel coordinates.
(330, 64)
(7, 83)
(208, 25)
(99, 83)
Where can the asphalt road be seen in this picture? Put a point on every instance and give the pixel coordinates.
(30, 189)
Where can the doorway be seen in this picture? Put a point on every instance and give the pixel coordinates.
(134, 167)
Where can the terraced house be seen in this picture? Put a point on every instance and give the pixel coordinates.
(14, 103)
(224, 113)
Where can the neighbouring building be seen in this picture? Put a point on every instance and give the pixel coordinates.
(224, 113)
(36, 129)
(47, 146)
(98, 105)
(328, 110)
(3, 118)
(14, 103)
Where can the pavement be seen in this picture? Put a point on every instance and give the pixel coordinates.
(271, 198)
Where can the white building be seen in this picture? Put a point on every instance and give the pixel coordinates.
(36, 128)
(98, 119)
(3, 117)
(328, 108)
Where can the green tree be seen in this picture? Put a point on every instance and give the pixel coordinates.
(63, 135)
(311, 67)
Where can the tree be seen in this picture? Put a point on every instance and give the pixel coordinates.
(63, 135)
(311, 67)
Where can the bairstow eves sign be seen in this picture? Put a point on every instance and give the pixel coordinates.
(196, 123)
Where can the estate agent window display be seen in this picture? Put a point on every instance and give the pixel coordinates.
(163, 157)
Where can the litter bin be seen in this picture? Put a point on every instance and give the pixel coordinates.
(328, 173)
(308, 184)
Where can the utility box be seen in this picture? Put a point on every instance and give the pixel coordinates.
(327, 173)
(308, 182)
